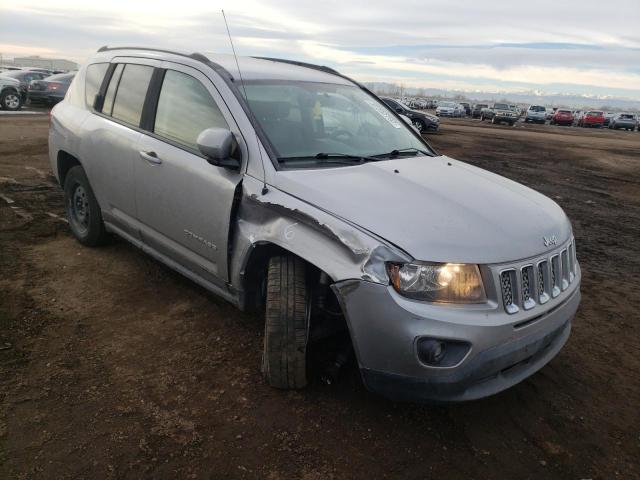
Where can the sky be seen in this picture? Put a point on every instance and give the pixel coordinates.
(581, 47)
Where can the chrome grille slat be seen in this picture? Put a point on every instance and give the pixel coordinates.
(528, 287)
(508, 288)
(525, 286)
(555, 276)
(543, 281)
(564, 269)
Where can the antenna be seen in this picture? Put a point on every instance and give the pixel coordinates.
(244, 90)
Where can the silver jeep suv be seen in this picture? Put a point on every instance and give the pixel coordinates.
(294, 190)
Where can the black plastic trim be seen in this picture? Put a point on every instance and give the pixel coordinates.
(148, 118)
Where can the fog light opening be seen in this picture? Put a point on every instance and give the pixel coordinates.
(433, 351)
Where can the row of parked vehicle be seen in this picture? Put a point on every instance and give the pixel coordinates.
(33, 85)
(579, 118)
(511, 113)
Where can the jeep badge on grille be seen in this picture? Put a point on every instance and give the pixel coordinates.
(548, 241)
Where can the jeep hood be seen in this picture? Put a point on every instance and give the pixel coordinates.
(435, 208)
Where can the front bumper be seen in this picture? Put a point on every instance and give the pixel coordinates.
(504, 118)
(505, 349)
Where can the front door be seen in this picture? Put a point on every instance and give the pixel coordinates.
(184, 203)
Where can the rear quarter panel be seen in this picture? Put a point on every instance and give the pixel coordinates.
(67, 118)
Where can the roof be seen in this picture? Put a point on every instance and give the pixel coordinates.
(252, 68)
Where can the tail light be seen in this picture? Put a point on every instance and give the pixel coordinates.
(53, 86)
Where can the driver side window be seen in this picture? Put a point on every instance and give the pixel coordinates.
(185, 109)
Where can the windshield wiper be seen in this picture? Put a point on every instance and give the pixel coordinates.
(398, 151)
(344, 157)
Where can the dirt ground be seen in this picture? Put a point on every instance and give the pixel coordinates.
(113, 366)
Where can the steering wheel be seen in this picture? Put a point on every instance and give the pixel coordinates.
(341, 133)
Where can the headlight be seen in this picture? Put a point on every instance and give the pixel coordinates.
(438, 282)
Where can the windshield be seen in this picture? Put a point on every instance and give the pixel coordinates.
(448, 104)
(305, 119)
(537, 108)
(501, 106)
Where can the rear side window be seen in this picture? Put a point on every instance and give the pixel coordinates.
(185, 109)
(93, 80)
(110, 95)
(131, 92)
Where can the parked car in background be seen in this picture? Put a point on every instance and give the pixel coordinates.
(499, 113)
(23, 77)
(477, 109)
(536, 114)
(10, 94)
(551, 112)
(50, 90)
(467, 108)
(626, 121)
(449, 109)
(607, 118)
(422, 121)
(593, 118)
(562, 117)
(452, 283)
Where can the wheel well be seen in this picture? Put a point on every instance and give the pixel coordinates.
(65, 162)
(255, 271)
(328, 323)
(9, 89)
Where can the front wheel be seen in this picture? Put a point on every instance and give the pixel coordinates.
(83, 211)
(287, 319)
(11, 101)
(418, 124)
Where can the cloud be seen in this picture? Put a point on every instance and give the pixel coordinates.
(578, 46)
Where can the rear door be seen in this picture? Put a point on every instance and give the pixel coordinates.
(111, 139)
(184, 203)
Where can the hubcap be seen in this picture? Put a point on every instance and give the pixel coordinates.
(418, 125)
(79, 209)
(12, 101)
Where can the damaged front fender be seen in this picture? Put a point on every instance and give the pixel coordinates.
(340, 249)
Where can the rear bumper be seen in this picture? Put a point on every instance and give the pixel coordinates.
(44, 97)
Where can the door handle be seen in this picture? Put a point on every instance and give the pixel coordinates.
(150, 157)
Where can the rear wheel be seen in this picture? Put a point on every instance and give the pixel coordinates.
(83, 211)
(287, 319)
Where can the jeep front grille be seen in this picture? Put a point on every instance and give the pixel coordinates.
(524, 287)
(507, 282)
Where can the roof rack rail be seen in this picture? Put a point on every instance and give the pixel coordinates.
(196, 56)
(302, 64)
(321, 68)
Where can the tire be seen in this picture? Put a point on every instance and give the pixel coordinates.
(482, 118)
(83, 211)
(419, 124)
(286, 330)
(10, 100)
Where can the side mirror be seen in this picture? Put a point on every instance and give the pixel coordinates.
(399, 109)
(217, 145)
